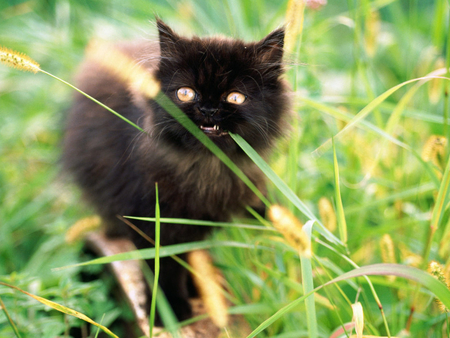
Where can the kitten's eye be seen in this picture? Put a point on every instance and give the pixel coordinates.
(236, 98)
(186, 94)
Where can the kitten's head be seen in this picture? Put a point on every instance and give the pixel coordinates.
(222, 85)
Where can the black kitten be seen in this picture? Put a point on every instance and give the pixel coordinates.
(223, 85)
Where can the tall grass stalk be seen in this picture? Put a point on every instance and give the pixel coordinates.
(342, 224)
(11, 322)
(157, 263)
(446, 85)
(437, 214)
(308, 286)
(295, 16)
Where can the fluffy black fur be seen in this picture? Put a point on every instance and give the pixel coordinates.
(117, 166)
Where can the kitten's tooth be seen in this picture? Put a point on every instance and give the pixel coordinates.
(216, 127)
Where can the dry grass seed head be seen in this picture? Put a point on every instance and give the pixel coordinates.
(18, 60)
(437, 271)
(206, 282)
(327, 214)
(291, 228)
(79, 230)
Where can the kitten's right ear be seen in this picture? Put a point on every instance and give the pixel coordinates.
(270, 48)
(167, 37)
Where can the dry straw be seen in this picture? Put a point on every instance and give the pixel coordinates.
(18, 60)
(205, 279)
(291, 228)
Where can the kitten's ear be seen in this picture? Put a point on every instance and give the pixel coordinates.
(270, 49)
(167, 37)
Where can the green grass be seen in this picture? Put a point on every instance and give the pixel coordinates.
(383, 183)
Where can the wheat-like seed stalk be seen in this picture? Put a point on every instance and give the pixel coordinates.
(327, 214)
(291, 228)
(81, 228)
(437, 271)
(387, 249)
(294, 23)
(205, 279)
(18, 60)
(388, 252)
(434, 150)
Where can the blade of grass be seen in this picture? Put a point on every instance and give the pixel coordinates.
(167, 316)
(283, 187)
(165, 251)
(308, 286)
(202, 223)
(438, 211)
(11, 323)
(95, 100)
(62, 309)
(157, 266)
(447, 66)
(435, 286)
(342, 224)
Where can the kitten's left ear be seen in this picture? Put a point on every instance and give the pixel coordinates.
(167, 37)
(270, 48)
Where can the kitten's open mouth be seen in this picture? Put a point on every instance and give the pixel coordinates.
(213, 130)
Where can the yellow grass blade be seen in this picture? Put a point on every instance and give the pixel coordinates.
(62, 309)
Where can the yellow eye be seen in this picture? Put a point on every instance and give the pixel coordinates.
(236, 98)
(186, 94)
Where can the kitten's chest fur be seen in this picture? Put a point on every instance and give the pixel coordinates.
(199, 184)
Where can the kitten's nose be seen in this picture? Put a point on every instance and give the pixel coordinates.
(208, 112)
